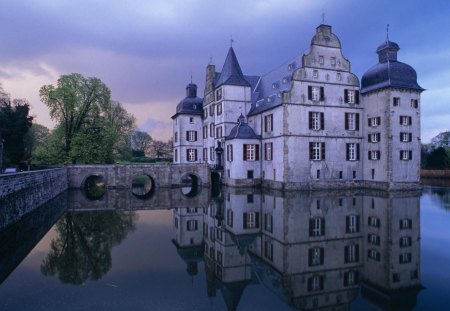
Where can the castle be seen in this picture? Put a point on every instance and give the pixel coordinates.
(308, 124)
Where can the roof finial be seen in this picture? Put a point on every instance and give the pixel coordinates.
(387, 32)
(191, 76)
(323, 17)
(231, 41)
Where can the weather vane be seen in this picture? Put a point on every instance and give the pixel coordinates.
(191, 76)
(387, 32)
(231, 41)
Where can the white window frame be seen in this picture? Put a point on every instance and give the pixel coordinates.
(315, 256)
(352, 151)
(251, 152)
(191, 135)
(351, 121)
(404, 137)
(251, 220)
(191, 155)
(316, 117)
(316, 74)
(317, 152)
(374, 137)
(374, 155)
(352, 221)
(405, 155)
(315, 93)
(405, 120)
(374, 122)
(351, 253)
(192, 225)
(317, 224)
(351, 97)
(339, 76)
(321, 60)
(268, 151)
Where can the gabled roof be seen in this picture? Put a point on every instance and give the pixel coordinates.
(231, 73)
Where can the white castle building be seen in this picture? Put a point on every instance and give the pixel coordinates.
(307, 124)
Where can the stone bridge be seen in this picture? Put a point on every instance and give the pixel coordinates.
(121, 176)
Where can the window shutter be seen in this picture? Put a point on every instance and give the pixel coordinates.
(231, 147)
(322, 253)
(356, 252)
(357, 121)
(310, 120)
(345, 278)
(347, 226)
(357, 152)
(265, 123)
(310, 256)
(187, 135)
(345, 96)
(310, 92)
(409, 223)
(257, 152)
(322, 226)
(311, 225)
(400, 154)
(378, 137)
(322, 93)
(347, 153)
(368, 122)
(310, 284)
(368, 138)
(323, 150)
(195, 136)
(310, 151)
(187, 154)
(356, 276)
(244, 219)
(357, 223)
(400, 118)
(379, 120)
(271, 151)
(244, 149)
(369, 156)
(356, 97)
(410, 137)
(322, 121)
(410, 155)
(346, 254)
(346, 121)
(257, 220)
(379, 155)
(409, 120)
(196, 155)
(271, 122)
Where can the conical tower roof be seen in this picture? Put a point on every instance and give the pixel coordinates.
(231, 72)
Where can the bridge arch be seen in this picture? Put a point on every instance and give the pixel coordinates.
(191, 184)
(143, 185)
(94, 186)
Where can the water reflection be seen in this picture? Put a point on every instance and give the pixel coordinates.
(314, 250)
(142, 186)
(82, 249)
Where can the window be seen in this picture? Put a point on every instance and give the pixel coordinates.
(211, 129)
(268, 249)
(316, 120)
(405, 241)
(219, 257)
(405, 155)
(316, 93)
(321, 60)
(191, 135)
(250, 198)
(351, 96)
(316, 226)
(268, 123)
(230, 153)
(373, 222)
(374, 137)
(395, 277)
(268, 222)
(315, 74)
(318, 177)
(176, 137)
(351, 253)
(404, 258)
(211, 110)
(315, 283)
(268, 151)
(316, 151)
(339, 76)
(191, 155)
(211, 153)
(218, 94)
(352, 121)
(396, 101)
(251, 220)
(251, 152)
(405, 137)
(352, 152)
(373, 254)
(373, 239)
(205, 113)
(333, 61)
(205, 154)
(192, 225)
(405, 120)
(414, 103)
(205, 131)
(250, 174)
(230, 218)
(374, 122)
(405, 223)
(315, 256)
(219, 109)
(218, 132)
(374, 155)
(176, 222)
(352, 224)
(351, 278)
(191, 119)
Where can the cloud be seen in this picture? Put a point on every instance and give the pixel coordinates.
(158, 130)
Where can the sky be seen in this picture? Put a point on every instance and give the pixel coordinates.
(145, 51)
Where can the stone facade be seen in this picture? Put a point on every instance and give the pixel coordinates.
(312, 125)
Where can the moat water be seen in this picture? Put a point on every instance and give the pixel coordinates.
(239, 250)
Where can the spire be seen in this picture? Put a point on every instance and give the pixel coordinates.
(231, 72)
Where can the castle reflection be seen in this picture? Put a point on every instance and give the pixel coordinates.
(315, 250)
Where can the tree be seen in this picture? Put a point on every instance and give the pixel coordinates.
(37, 135)
(141, 143)
(161, 149)
(14, 124)
(438, 159)
(91, 128)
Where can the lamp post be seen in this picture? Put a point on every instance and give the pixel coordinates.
(219, 152)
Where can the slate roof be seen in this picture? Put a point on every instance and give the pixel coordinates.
(242, 131)
(231, 73)
(191, 104)
(389, 72)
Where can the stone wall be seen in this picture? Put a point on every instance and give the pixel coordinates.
(22, 192)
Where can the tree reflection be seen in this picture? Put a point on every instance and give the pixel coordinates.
(82, 249)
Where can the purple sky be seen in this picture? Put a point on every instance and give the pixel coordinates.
(145, 50)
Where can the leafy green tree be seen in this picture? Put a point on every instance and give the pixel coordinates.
(37, 135)
(438, 159)
(141, 143)
(91, 127)
(14, 124)
(82, 249)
